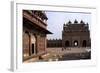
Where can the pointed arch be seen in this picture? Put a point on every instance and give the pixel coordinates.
(84, 44)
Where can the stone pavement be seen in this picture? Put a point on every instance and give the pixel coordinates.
(55, 54)
(69, 50)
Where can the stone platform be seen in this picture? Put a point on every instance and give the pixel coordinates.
(59, 54)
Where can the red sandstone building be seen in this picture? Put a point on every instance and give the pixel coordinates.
(73, 35)
(34, 33)
(76, 34)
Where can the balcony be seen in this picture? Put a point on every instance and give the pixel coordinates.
(34, 19)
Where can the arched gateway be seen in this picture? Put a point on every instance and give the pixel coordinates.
(84, 43)
(77, 33)
(75, 43)
(33, 44)
(67, 43)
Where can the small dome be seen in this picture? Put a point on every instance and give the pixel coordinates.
(82, 22)
(75, 21)
(69, 22)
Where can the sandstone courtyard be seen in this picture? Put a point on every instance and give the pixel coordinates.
(62, 54)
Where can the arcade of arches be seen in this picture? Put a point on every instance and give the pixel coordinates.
(73, 35)
(33, 44)
(75, 43)
(76, 34)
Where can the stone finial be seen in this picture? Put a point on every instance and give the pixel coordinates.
(87, 23)
(81, 22)
(64, 24)
(69, 22)
(75, 21)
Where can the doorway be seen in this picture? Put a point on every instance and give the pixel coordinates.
(33, 41)
(84, 43)
(33, 49)
(75, 43)
(67, 44)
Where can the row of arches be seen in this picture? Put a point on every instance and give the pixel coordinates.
(84, 43)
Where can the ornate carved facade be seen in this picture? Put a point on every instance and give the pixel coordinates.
(34, 33)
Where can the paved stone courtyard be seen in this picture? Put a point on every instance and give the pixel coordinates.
(59, 54)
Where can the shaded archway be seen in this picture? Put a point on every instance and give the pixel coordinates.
(84, 43)
(67, 44)
(33, 42)
(75, 43)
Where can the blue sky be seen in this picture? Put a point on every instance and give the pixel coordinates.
(57, 19)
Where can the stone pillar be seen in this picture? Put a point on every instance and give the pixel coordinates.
(45, 43)
(37, 43)
(41, 42)
(30, 44)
